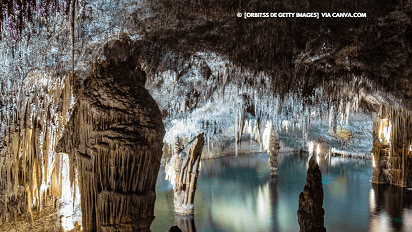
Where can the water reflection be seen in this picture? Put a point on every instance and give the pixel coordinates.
(235, 212)
(237, 194)
(393, 211)
(185, 222)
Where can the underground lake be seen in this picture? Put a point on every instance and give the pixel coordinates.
(238, 194)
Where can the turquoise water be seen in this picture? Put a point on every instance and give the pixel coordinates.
(237, 194)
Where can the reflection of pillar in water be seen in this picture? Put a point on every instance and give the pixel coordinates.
(274, 190)
(185, 222)
(274, 151)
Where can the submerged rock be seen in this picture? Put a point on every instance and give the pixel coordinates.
(175, 229)
(310, 212)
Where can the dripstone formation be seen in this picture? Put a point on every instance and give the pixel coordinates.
(274, 152)
(310, 212)
(182, 170)
(392, 150)
(114, 140)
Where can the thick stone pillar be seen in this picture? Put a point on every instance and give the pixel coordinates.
(310, 212)
(182, 170)
(114, 139)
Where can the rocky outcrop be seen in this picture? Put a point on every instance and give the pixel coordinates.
(114, 140)
(182, 170)
(310, 212)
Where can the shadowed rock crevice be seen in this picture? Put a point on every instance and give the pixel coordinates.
(114, 140)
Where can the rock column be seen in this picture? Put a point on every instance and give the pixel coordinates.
(274, 151)
(182, 170)
(114, 140)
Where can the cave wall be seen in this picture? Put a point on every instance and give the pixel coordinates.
(33, 115)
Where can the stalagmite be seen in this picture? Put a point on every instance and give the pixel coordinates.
(182, 170)
(310, 212)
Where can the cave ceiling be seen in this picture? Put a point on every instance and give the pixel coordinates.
(195, 52)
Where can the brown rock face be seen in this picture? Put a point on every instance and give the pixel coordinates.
(114, 140)
(183, 170)
(310, 212)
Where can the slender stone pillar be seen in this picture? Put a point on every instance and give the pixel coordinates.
(182, 170)
(274, 151)
(310, 212)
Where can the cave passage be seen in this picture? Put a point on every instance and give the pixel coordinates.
(95, 93)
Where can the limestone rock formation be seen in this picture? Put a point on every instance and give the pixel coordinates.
(182, 170)
(194, 62)
(274, 152)
(31, 181)
(114, 140)
(392, 150)
(310, 212)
